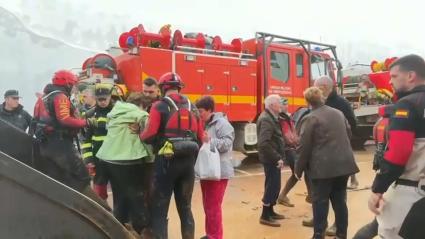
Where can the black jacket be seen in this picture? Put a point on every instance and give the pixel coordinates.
(94, 136)
(338, 102)
(17, 117)
(271, 146)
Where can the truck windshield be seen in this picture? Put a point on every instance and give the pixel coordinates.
(318, 66)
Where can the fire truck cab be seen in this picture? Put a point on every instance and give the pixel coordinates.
(239, 75)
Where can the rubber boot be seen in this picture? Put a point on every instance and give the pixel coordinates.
(266, 218)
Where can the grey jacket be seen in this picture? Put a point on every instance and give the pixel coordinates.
(325, 150)
(271, 146)
(222, 136)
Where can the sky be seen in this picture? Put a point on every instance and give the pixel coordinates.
(41, 36)
(360, 28)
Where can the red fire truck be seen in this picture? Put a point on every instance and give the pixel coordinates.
(238, 75)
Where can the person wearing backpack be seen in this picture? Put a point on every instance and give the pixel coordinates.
(222, 136)
(55, 127)
(175, 130)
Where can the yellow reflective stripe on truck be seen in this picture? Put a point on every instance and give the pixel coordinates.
(245, 99)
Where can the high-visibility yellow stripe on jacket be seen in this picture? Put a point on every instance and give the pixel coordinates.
(95, 136)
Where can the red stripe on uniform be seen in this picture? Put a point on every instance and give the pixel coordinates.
(400, 146)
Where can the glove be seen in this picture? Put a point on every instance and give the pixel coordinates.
(92, 122)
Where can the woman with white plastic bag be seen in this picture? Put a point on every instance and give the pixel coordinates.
(221, 135)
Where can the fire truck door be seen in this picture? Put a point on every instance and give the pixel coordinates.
(191, 73)
(243, 93)
(280, 73)
(301, 81)
(216, 84)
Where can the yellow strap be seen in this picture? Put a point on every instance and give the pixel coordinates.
(86, 146)
(98, 138)
(102, 119)
(88, 154)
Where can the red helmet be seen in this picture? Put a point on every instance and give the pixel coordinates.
(64, 78)
(170, 80)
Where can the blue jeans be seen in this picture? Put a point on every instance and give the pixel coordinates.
(272, 184)
(335, 190)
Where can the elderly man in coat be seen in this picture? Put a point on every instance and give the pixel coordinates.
(325, 154)
(271, 151)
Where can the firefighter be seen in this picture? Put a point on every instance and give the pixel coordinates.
(94, 137)
(56, 128)
(175, 131)
(380, 134)
(403, 164)
(87, 102)
(151, 90)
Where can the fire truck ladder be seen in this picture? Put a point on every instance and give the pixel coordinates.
(268, 38)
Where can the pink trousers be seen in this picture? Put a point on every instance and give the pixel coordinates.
(212, 198)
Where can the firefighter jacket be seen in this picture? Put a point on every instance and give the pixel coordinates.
(380, 134)
(54, 113)
(159, 121)
(405, 156)
(94, 135)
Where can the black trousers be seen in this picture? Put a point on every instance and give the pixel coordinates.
(127, 190)
(58, 158)
(173, 175)
(335, 190)
(101, 176)
(272, 184)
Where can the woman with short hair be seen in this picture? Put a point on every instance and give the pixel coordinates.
(221, 135)
(325, 154)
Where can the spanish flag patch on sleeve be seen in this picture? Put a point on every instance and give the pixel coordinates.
(401, 113)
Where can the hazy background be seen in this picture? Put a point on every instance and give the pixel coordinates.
(39, 37)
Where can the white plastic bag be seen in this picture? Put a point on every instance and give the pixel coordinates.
(207, 164)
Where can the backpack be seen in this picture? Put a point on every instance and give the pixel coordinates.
(180, 139)
(43, 120)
